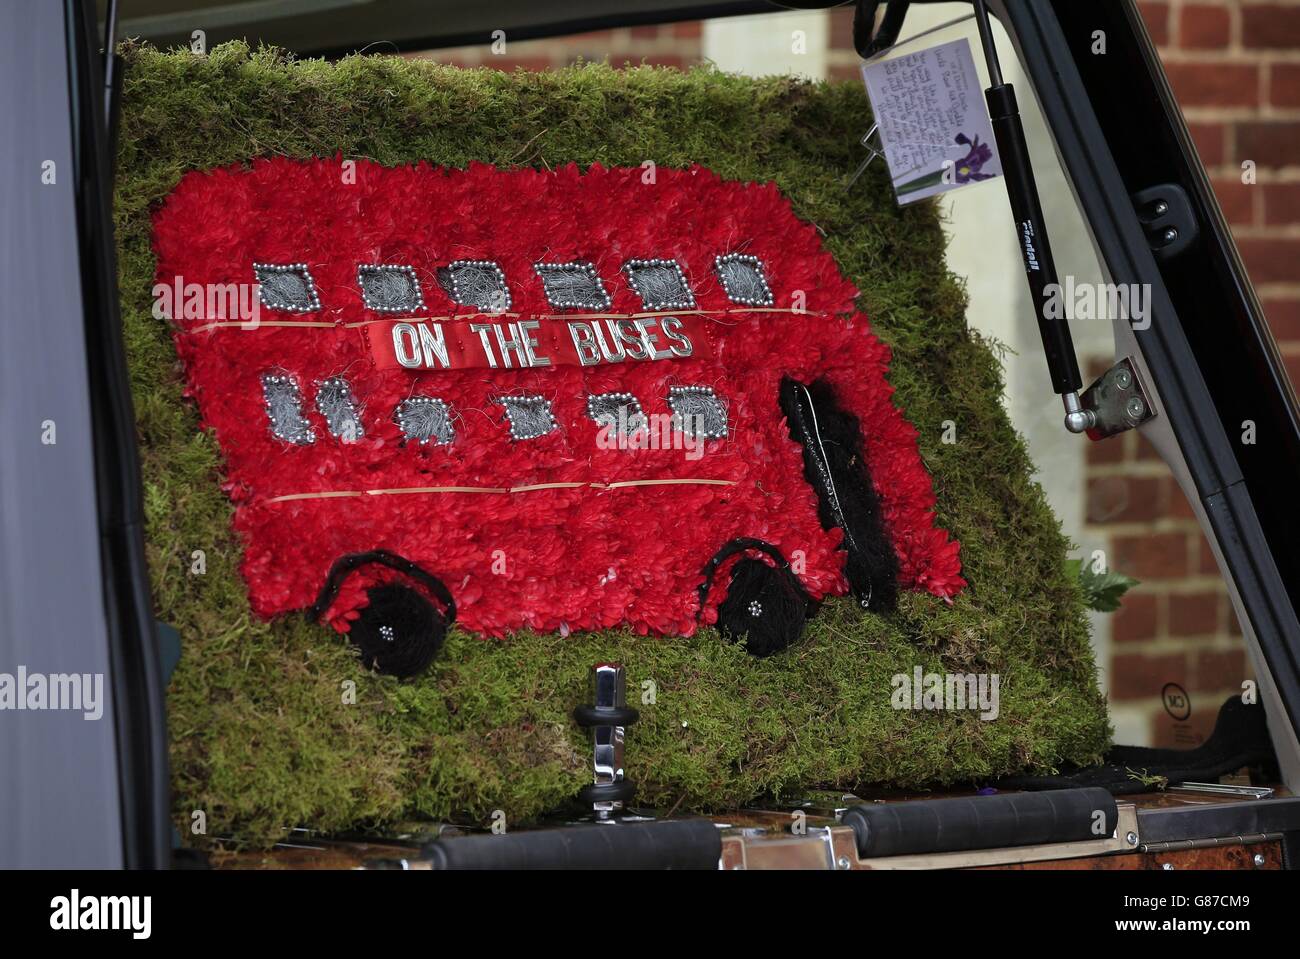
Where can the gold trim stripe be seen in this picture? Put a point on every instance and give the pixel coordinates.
(407, 490)
(252, 327)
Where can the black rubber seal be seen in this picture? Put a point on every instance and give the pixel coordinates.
(621, 791)
(588, 716)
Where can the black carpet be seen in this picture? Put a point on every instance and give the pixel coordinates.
(1240, 739)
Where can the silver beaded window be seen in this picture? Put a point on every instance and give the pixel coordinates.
(283, 403)
(286, 286)
(335, 402)
(390, 289)
(660, 284)
(698, 412)
(425, 419)
(744, 279)
(622, 411)
(572, 286)
(478, 283)
(529, 415)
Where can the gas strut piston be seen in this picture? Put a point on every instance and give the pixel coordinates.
(607, 716)
(1031, 229)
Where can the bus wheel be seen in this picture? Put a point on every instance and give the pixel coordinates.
(766, 607)
(400, 631)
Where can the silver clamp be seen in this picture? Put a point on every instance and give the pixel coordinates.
(874, 150)
(607, 716)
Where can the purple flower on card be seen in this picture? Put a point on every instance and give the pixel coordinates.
(969, 167)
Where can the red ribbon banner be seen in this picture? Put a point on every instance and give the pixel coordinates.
(521, 343)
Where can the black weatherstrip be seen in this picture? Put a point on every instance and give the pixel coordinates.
(136, 681)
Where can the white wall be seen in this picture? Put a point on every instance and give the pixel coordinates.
(766, 43)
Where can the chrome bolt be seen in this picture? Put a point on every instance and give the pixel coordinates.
(1135, 408)
(1131, 839)
(1167, 866)
(1259, 859)
(843, 862)
(1170, 235)
(1123, 378)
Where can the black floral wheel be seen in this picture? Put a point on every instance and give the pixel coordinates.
(766, 607)
(400, 630)
(399, 633)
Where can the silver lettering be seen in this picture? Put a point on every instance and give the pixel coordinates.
(630, 334)
(650, 338)
(510, 344)
(584, 341)
(680, 344)
(406, 345)
(482, 330)
(434, 346)
(530, 343)
(609, 355)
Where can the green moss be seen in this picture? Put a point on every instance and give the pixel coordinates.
(261, 737)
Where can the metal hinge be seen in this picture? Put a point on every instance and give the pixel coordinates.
(1116, 402)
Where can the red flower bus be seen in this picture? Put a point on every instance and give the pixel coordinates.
(551, 400)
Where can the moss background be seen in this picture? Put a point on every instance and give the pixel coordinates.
(261, 737)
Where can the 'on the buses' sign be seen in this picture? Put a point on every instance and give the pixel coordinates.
(428, 344)
(559, 394)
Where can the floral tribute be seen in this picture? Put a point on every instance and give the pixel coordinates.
(465, 368)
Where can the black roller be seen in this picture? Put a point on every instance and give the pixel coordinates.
(982, 822)
(690, 844)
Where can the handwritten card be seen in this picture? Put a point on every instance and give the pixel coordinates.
(933, 124)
